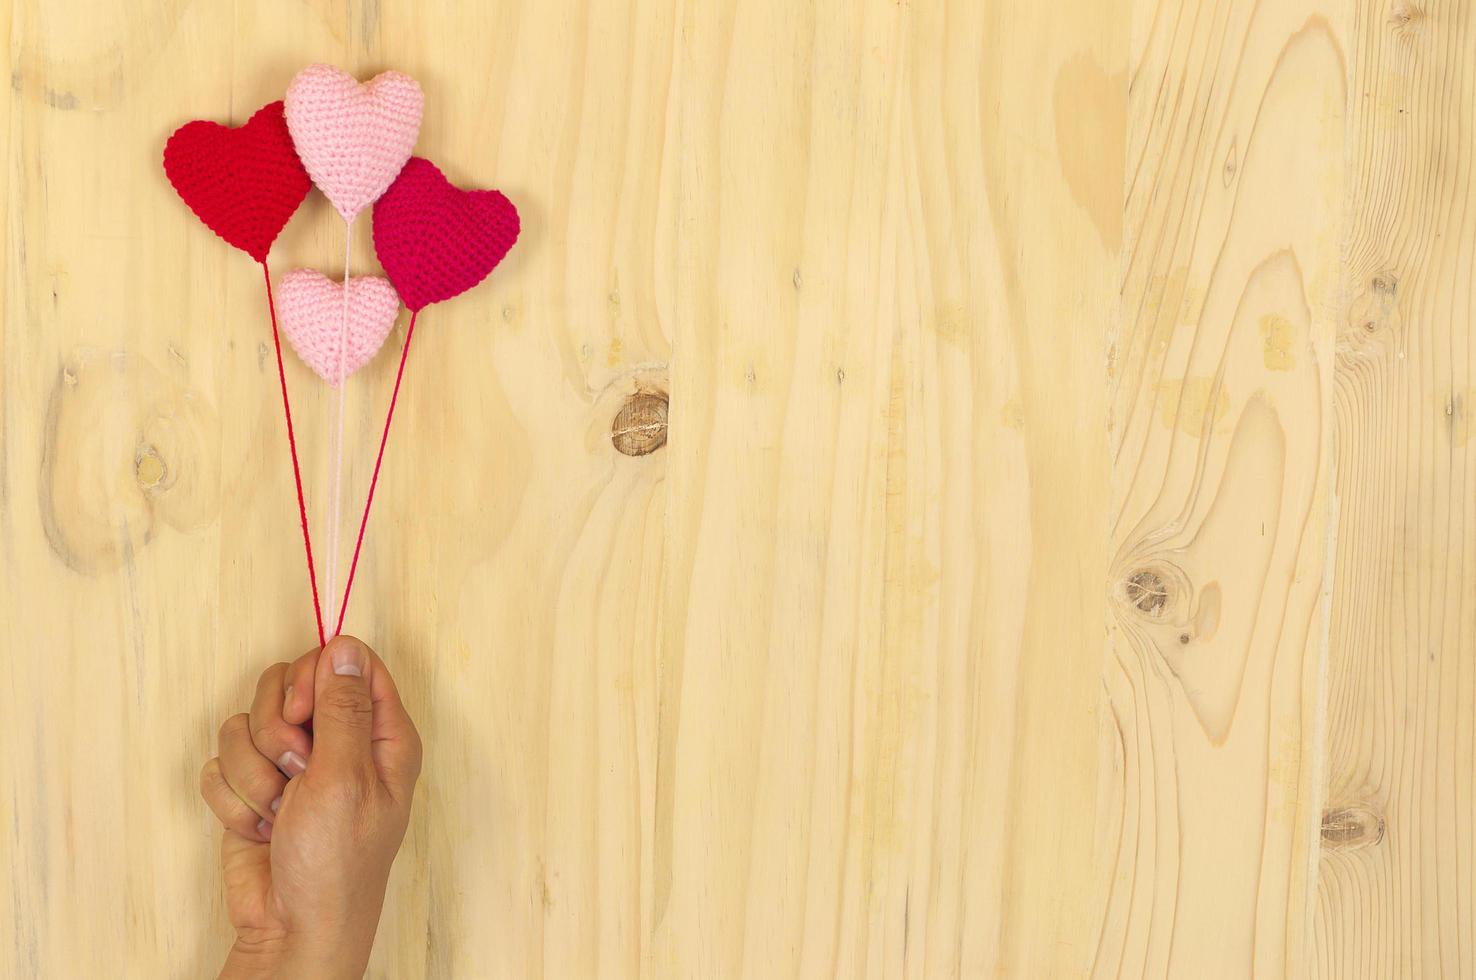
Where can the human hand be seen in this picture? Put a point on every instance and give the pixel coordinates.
(312, 821)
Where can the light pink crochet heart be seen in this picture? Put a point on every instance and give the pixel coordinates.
(353, 139)
(310, 306)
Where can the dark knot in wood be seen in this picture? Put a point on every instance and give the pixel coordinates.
(1147, 591)
(640, 425)
(1353, 826)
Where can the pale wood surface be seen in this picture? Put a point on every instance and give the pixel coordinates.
(1396, 895)
(1056, 566)
(1221, 454)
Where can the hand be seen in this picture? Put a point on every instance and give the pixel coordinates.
(312, 821)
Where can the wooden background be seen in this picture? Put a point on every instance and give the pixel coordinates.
(1060, 564)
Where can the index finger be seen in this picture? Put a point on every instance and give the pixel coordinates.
(297, 706)
(285, 744)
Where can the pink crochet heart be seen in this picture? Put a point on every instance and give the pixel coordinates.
(353, 139)
(310, 306)
(436, 240)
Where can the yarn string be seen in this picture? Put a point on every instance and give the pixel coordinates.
(374, 480)
(307, 541)
(335, 514)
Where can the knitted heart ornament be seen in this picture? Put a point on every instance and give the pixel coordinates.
(244, 183)
(353, 138)
(435, 240)
(311, 309)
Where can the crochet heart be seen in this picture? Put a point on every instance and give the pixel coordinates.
(244, 183)
(436, 240)
(353, 138)
(310, 306)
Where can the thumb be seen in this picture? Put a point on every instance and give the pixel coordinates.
(343, 712)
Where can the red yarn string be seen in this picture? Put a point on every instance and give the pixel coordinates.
(307, 541)
(374, 480)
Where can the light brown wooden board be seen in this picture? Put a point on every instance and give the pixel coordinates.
(1395, 884)
(1221, 462)
(1048, 571)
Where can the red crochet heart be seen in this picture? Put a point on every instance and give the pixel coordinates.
(436, 240)
(243, 183)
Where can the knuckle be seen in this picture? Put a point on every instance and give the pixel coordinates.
(269, 735)
(402, 779)
(223, 801)
(232, 726)
(349, 704)
(210, 777)
(417, 748)
(260, 786)
(243, 823)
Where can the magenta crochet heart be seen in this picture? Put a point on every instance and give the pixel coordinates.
(436, 240)
(310, 306)
(353, 139)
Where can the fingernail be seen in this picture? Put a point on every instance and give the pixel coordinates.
(276, 804)
(348, 659)
(292, 764)
(264, 828)
(287, 697)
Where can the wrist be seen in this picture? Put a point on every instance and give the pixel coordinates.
(278, 957)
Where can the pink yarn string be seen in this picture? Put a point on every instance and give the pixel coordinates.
(374, 480)
(335, 514)
(307, 541)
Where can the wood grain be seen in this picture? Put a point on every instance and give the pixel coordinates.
(781, 697)
(882, 612)
(1221, 456)
(941, 489)
(1395, 882)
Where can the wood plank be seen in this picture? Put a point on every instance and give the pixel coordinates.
(1399, 833)
(1221, 453)
(880, 682)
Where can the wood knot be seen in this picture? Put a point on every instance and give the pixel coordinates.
(148, 468)
(1155, 593)
(1148, 592)
(1347, 828)
(640, 425)
(1372, 316)
(126, 450)
(1404, 17)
